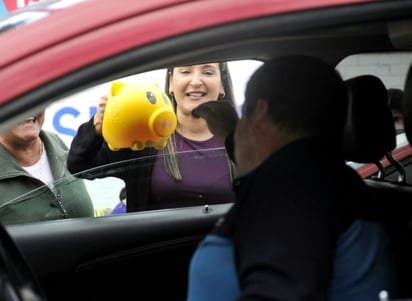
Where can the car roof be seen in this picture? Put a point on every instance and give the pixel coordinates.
(78, 35)
(58, 22)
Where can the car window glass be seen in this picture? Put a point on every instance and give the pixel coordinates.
(81, 195)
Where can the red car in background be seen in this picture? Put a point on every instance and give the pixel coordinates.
(390, 172)
(7, 6)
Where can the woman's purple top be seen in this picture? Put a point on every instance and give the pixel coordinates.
(205, 175)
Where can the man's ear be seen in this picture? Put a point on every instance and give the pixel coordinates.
(261, 110)
(259, 116)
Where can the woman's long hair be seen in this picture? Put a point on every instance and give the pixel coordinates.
(170, 159)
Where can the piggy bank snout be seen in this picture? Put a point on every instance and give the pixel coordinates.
(162, 122)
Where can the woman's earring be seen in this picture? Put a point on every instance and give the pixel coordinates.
(222, 95)
(172, 97)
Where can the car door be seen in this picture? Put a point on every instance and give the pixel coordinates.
(145, 255)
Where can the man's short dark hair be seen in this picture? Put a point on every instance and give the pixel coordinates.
(303, 94)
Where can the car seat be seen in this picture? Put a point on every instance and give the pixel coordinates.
(370, 131)
(369, 136)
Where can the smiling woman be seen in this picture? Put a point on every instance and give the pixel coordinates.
(33, 158)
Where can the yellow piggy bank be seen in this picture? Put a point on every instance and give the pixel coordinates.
(137, 116)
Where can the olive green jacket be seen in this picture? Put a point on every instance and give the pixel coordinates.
(24, 198)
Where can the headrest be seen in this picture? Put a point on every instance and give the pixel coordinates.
(369, 131)
(407, 105)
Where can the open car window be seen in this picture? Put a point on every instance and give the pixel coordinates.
(95, 192)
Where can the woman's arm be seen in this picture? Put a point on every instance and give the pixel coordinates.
(87, 149)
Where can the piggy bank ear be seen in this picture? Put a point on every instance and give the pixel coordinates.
(116, 87)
